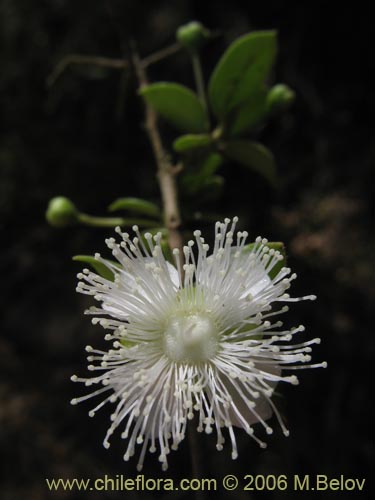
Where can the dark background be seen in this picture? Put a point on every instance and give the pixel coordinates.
(83, 138)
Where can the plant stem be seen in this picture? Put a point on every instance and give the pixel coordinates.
(165, 169)
(161, 54)
(91, 220)
(199, 81)
(104, 62)
(172, 219)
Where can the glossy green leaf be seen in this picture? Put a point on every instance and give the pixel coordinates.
(249, 114)
(136, 205)
(277, 246)
(242, 69)
(98, 266)
(178, 105)
(252, 155)
(189, 142)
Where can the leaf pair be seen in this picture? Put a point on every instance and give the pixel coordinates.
(237, 83)
(237, 97)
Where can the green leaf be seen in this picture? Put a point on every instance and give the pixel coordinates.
(178, 105)
(252, 155)
(241, 70)
(98, 266)
(136, 205)
(188, 142)
(274, 245)
(249, 114)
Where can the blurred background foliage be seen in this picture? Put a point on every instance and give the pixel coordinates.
(83, 138)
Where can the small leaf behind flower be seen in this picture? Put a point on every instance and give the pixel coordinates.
(178, 105)
(136, 205)
(188, 142)
(98, 266)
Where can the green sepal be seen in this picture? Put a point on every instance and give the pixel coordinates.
(178, 105)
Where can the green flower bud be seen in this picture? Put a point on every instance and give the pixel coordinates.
(280, 97)
(61, 212)
(192, 35)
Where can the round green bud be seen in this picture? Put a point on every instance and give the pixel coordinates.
(61, 212)
(192, 35)
(280, 97)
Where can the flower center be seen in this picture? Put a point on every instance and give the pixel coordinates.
(191, 338)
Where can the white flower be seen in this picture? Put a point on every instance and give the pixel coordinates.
(193, 341)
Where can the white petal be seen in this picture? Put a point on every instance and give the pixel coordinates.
(173, 274)
(259, 286)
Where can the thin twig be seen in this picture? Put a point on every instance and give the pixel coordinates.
(198, 75)
(161, 54)
(92, 220)
(104, 62)
(107, 62)
(172, 219)
(166, 177)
